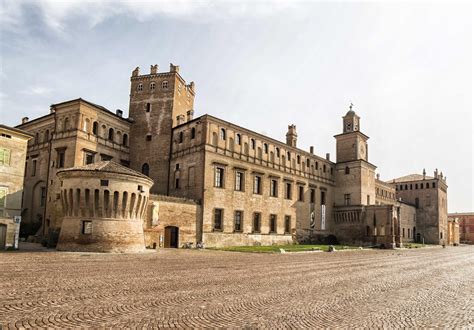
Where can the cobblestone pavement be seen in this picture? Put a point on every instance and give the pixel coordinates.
(431, 287)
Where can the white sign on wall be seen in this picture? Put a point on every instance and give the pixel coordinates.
(323, 217)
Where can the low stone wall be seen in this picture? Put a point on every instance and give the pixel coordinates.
(217, 239)
(10, 234)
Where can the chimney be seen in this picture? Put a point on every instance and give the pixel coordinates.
(311, 150)
(328, 156)
(154, 69)
(190, 115)
(424, 174)
(378, 176)
(436, 173)
(174, 68)
(291, 136)
(180, 119)
(24, 120)
(119, 112)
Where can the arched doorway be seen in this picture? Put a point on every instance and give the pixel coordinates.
(3, 236)
(171, 237)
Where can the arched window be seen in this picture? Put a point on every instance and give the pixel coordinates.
(348, 170)
(298, 159)
(148, 107)
(146, 169)
(307, 162)
(222, 134)
(278, 152)
(238, 140)
(164, 84)
(152, 85)
(95, 127)
(46, 136)
(252, 142)
(265, 148)
(140, 87)
(288, 156)
(193, 133)
(125, 140)
(111, 134)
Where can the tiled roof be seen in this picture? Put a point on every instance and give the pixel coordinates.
(411, 177)
(107, 166)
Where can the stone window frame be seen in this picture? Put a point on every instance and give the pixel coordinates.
(239, 184)
(140, 87)
(222, 134)
(257, 184)
(86, 227)
(86, 153)
(238, 139)
(300, 193)
(164, 84)
(5, 157)
(288, 190)
(241, 219)
(347, 199)
(273, 187)
(272, 222)
(287, 224)
(256, 216)
(219, 176)
(221, 219)
(152, 86)
(61, 157)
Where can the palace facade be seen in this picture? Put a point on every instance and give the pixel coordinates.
(216, 182)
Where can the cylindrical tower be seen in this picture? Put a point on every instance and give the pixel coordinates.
(103, 208)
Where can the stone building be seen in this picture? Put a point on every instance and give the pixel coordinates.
(12, 166)
(218, 182)
(465, 222)
(103, 208)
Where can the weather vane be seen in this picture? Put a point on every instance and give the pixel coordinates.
(350, 107)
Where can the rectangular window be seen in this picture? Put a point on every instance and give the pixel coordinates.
(257, 185)
(403, 232)
(274, 188)
(238, 219)
(287, 224)
(288, 191)
(273, 223)
(33, 168)
(219, 177)
(218, 219)
(104, 183)
(3, 201)
(313, 196)
(5, 156)
(256, 222)
(323, 198)
(86, 227)
(347, 199)
(61, 158)
(89, 158)
(301, 193)
(239, 181)
(176, 183)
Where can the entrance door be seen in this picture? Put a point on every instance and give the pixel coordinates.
(171, 237)
(3, 236)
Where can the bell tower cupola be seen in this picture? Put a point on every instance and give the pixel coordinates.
(351, 121)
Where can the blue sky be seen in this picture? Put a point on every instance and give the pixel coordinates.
(263, 65)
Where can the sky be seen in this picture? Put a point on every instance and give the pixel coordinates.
(406, 67)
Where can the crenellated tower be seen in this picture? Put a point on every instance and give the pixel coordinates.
(158, 103)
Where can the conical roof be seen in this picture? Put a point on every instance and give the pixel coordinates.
(107, 166)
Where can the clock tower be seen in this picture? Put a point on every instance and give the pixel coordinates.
(355, 176)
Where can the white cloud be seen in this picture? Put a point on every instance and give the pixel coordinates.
(56, 13)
